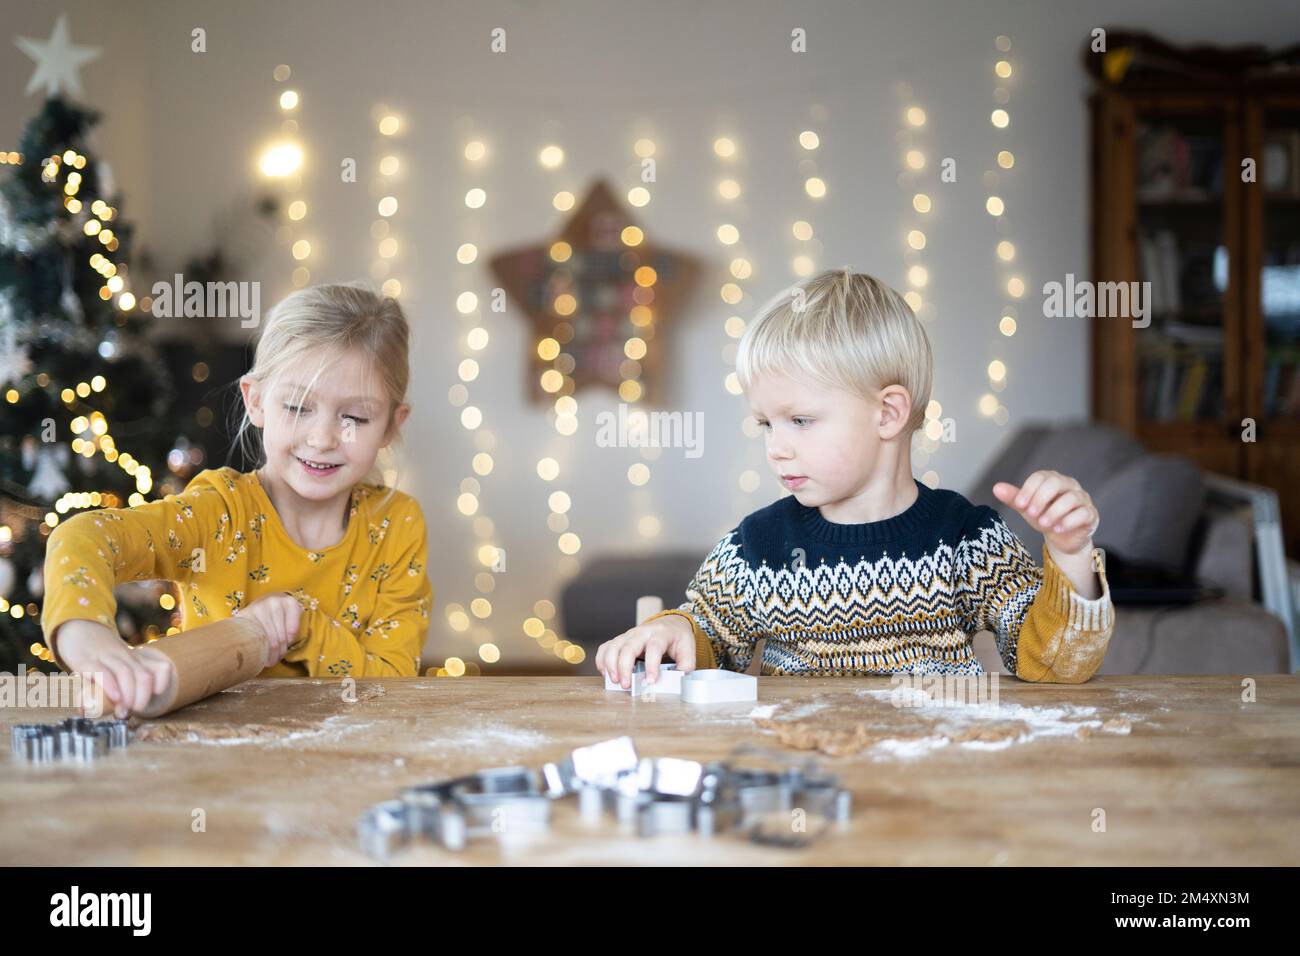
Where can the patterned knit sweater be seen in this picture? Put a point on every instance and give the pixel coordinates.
(900, 595)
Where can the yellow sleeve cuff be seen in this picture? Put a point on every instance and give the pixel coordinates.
(1064, 636)
(1079, 612)
(704, 656)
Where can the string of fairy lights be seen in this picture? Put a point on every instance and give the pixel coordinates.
(552, 380)
(804, 262)
(389, 126)
(557, 380)
(642, 316)
(912, 138)
(1005, 251)
(388, 166)
(282, 161)
(89, 426)
(475, 338)
(740, 268)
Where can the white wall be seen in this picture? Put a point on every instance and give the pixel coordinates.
(182, 131)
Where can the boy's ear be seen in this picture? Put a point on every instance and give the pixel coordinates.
(400, 414)
(253, 402)
(895, 410)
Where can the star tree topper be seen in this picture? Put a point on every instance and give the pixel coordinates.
(608, 303)
(57, 60)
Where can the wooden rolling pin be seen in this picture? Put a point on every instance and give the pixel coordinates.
(206, 660)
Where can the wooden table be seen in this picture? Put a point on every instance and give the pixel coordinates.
(281, 770)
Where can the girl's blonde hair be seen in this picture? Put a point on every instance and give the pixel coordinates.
(329, 321)
(842, 329)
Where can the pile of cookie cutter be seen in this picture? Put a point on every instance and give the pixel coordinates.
(76, 738)
(661, 795)
(671, 795)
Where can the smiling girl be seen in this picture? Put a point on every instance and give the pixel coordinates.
(311, 544)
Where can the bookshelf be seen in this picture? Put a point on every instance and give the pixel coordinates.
(1220, 345)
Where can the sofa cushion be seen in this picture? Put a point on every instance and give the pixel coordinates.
(1090, 453)
(1210, 637)
(1149, 508)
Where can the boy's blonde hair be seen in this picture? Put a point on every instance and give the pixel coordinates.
(843, 329)
(329, 320)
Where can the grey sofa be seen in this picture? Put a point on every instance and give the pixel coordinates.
(1157, 509)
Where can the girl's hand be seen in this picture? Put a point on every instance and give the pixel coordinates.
(671, 634)
(1056, 505)
(280, 616)
(111, 671)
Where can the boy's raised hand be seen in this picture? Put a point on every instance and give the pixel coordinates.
(668, 636)
(1056, 505)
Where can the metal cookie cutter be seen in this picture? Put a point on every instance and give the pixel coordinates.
(661, 796)
(501, 801)
(423, 806)
(658, 795)
(116, 733)
(588, 769)
(602, 774)
(384, 828)
(726, 794)
(76, 738)
(35, 743)
(761, 801)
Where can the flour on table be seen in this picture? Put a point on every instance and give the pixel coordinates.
(806, 710)
(487, 735)
(909, 749)
(234, 735)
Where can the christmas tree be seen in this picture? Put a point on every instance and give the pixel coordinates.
(87, 416)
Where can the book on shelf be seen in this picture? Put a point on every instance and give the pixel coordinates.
(1280, 170)
(1190, 398)
(1272, 379)
(1286, 387)
(1181, 387)
(1211, 402)
(1158, 253)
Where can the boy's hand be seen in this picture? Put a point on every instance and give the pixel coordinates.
(112, 672)
(280, 616)
(1056, 505)
(670, 635)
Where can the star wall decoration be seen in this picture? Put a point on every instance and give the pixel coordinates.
(599, 297)
(58, 60)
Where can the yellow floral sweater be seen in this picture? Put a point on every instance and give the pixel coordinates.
(365, 601)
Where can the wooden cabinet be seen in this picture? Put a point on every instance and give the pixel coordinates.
(1211, 358)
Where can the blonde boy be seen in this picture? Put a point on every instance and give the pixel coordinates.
(862, 569)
